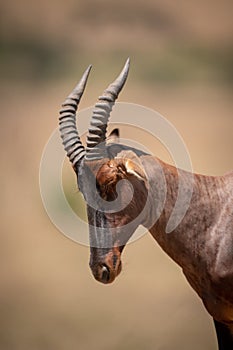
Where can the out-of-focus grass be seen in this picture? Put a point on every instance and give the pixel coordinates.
(72, 193)
(30, 59)
(192, 64)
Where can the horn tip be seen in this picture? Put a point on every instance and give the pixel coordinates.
(89, 67)
(87, 71)
(82, 83)
(125, 70)
(127, 64)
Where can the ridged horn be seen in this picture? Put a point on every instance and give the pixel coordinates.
(97, 131)
(67, 122)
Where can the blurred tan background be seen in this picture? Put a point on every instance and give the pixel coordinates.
(182, 57)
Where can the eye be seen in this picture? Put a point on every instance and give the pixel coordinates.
(101, 189)
(107, 190)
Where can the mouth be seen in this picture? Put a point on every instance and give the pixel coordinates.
(108, 275)
(107, 272)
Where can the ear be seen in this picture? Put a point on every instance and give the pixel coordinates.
(132, 164)
(134, 169)
(113, 137)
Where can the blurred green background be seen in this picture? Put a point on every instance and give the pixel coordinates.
(181, 65)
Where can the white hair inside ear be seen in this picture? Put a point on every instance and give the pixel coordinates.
(132, 164)
(134, 169)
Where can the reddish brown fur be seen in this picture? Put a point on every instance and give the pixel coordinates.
(202, 243)
(196, 243)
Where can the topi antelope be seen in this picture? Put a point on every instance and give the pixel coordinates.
(124, 188)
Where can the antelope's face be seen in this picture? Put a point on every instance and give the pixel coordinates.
(114, 186)
(115, 192)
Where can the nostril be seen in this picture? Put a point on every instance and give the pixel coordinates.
(105, 274)
(114, 260)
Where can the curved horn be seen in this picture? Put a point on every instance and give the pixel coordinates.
(97, 131)
(67, 122)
